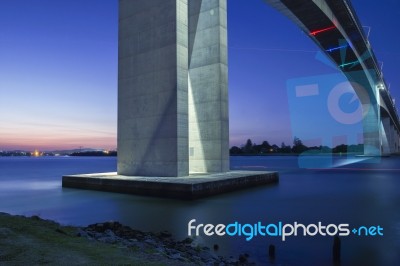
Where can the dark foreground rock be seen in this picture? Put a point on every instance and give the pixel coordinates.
(162, 243)
(36, 241)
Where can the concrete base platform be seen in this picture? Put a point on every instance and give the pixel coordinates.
(189, 187)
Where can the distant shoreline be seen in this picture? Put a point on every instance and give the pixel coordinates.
(115, 154)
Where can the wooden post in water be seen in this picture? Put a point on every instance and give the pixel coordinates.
(271, 252)
(336, 250)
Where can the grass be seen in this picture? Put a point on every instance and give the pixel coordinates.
(33, 241)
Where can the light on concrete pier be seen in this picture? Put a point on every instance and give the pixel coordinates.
(173, 119)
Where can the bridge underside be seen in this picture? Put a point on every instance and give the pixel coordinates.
(335, 28)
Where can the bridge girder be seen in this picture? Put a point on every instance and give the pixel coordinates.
(336, 30)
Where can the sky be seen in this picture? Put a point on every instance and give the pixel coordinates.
(58, 72)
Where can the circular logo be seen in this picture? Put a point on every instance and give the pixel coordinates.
(336, 111)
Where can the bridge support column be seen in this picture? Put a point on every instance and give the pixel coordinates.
(393, 140)
(372, 132)
(387, 136)
(172, 87)
(396, 140)
(152, 88)
(172, 104)
(208, 87)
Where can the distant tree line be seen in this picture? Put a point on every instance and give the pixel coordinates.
(250, 148)
(14, 153)
(94, 153)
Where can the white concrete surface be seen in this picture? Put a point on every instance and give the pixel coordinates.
(166, 47)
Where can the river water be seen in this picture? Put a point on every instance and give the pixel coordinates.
(358, 192)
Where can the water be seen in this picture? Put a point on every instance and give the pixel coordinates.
(357, 194)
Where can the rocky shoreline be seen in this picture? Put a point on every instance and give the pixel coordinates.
(35, 241)
(162, 243)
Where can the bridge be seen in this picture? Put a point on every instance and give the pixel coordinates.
(334, 26)
(173, 118)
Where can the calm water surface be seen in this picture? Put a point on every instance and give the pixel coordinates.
(363, 193)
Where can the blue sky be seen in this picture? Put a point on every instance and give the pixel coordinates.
(58, 70)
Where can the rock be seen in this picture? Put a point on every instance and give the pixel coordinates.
(160, 250)
(109, 233)
(242, 258)
(107, 239)
(98, 235)
(165, 234)
(191, 252)
(187, 240)
(181, 247)
(112, 225)
(97, 227)
(207, 256)
(151, 242)
(82, 233)
(187, 250)
(90, 234)
(195, 258)
(231, 261)
(175, 256)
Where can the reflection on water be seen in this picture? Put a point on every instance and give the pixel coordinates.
(8, 186)
(358, 194)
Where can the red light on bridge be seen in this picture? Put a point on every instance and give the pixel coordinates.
(315, 32)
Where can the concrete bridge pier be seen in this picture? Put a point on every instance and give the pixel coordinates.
(173, 119)
(387, 138)
(396, 139)
(208, 87)
(372, 133)
(391, 129)
(152, 88)
(392, 135)
(368, 95)
(173, 88)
